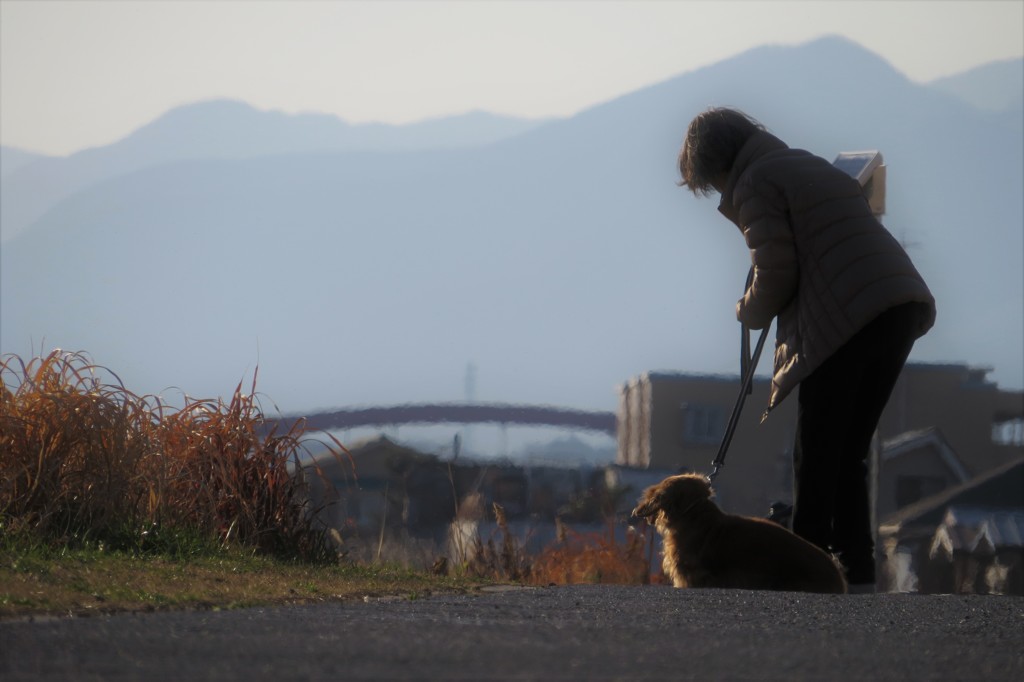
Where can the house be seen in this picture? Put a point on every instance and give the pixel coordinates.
(915, 465)
(980, 421)
(383, 494)
(383, 487)
(966, 539)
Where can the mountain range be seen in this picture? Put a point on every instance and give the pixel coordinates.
(369, 265)
(997, 86)
(223, 129)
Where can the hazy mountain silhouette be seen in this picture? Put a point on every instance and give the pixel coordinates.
(998, 86)
(228, 129)
(561, 261)
(12, 158)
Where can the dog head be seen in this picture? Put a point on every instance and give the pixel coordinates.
(674, 496)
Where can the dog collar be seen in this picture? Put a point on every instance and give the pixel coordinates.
(689, 508)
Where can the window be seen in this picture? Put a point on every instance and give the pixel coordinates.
(1009, 432)
(702, 424)
(910, 489)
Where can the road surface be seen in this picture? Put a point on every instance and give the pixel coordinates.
(554, 633)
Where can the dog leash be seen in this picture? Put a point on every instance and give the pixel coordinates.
(748, 364)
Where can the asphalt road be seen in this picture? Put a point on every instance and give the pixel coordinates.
(563, 633)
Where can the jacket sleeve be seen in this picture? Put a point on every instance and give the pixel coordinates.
(768, 232)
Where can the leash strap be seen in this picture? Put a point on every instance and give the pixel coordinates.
(746, 388)
(745, 355)
(748, 364)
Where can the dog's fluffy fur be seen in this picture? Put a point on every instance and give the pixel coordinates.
(705, 547)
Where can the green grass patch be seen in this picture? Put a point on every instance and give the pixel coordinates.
(77, 582)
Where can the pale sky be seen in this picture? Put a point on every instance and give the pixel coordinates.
(85, 73)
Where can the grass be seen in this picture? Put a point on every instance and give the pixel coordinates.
(113, 501)
(89, 581)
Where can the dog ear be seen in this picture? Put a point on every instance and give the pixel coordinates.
(649, 505)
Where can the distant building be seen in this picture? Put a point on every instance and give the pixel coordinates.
(943, 425)
(383, 493)
(966, 539)
(915, 465)
(675, 422)
(981, 422)
(385, 487)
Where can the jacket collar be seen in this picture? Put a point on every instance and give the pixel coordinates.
(759, 144)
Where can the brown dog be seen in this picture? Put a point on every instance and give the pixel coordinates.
(705, 547)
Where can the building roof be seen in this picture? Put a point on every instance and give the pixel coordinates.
(912, 441)
(1001, 488)
(973, 377)
(692, 376)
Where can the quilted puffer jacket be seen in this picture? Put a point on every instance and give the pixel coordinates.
(823, 265)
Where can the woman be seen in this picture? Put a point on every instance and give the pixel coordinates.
(849, 304)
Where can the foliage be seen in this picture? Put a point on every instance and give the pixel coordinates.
(85, 461)
(593, 558)
(98, 484)
(507, 562)
(571, 559)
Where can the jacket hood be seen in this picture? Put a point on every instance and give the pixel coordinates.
(758, 145)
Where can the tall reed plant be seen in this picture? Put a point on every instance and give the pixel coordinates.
(84, 459)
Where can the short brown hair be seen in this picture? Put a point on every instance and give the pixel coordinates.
(713, 140)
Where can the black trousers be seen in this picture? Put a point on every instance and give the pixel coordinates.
(840, 404)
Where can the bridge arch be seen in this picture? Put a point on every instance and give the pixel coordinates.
(458, 413)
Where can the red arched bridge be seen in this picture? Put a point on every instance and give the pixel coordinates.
(456, 413)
